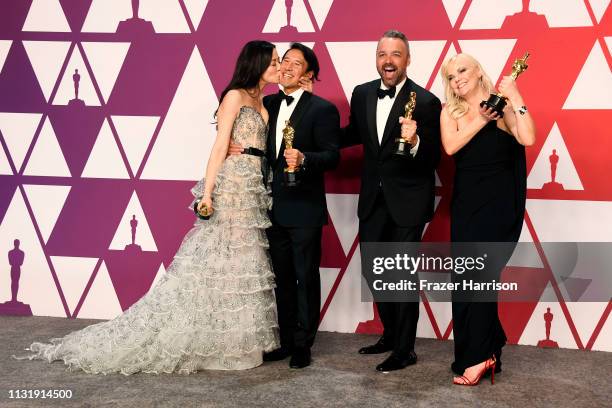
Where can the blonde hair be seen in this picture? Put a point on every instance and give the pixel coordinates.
(456, 105)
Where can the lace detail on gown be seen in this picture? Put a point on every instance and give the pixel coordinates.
(214, 308)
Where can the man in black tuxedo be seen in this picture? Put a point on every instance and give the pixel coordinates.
(397, 192)
(299, 213)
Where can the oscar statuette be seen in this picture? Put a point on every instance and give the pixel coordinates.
(402, 148)
(291, 178)
(204, 213)
(497, 101)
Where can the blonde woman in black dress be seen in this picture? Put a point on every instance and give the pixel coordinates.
(488, 202)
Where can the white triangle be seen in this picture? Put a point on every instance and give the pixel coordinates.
(453, 8)
(160, 273)
(66, 90)
(572, 13)
(583, 221)
(104, 15)
(423, 58)
(437, 88)
(188, 132)
(525, 234)
(424, 324)
(436, 202)
(328, 277)
(438, 182)
(18, 131)
(599, 8)
(106, 60)
(320, 9)
(346, 310)
(525, 255)
(135, 133)
(5, 167)
(195, 9)
(489, 14)
(47, 58)
(73, 274)
(585, 316)
(166, 15)
(566, 173)
(595, 74)
(344, 55)
(123, 234)
(47, 202)
(46, 15)
(5, 46)
(47, 158)
(101, 301)
(342, 210)
(278, 17)
(441, 311)
(604, 339)
(105, 159)
(492, 54)
(559, 329)
(36, 285)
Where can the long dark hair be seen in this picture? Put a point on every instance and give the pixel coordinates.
(253, 61)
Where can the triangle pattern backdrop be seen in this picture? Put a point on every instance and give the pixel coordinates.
(139, 133)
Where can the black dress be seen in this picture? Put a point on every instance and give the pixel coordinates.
(488, 205)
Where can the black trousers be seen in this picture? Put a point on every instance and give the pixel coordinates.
(399, 319)
(296, 256)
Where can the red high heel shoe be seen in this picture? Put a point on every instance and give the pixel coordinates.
(489, 365)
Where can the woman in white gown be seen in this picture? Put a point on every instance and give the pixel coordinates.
(214, 308)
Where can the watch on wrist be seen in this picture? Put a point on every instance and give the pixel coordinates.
(522, 110)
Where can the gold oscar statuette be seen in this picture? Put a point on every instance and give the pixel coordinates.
(402, 148)
(291, 178)
(497, 101)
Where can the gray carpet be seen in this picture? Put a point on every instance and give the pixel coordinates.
(338, 377)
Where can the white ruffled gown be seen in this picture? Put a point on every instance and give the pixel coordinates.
(214, 308)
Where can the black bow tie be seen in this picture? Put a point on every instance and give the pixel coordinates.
(386, 92)
(286, 97)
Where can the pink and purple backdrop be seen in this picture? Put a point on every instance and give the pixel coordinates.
(73, 171)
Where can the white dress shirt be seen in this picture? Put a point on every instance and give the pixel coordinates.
(284, 113)
(383, 109)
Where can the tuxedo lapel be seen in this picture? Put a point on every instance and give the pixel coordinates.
(397, 110)
(371, 102)
(271, 142)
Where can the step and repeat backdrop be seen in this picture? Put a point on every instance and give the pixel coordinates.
(106, 121)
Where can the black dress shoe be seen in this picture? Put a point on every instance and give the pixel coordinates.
(300, 358)
(380, 347)
(276, 355)
(395, 362)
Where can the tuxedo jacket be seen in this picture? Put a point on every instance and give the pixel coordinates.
(317, 135)
(408, 183)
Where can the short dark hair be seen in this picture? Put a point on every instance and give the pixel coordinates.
(310, 57)
(399, 35)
